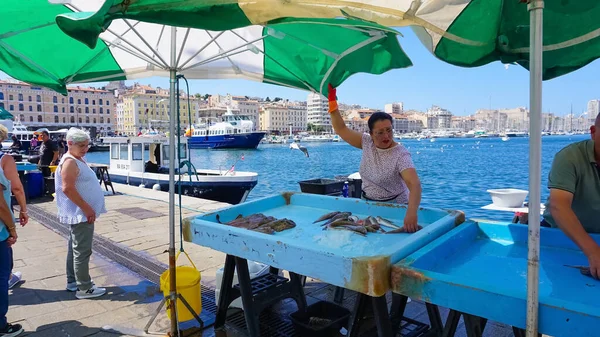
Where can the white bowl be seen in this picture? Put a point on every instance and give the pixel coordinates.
(508, 197)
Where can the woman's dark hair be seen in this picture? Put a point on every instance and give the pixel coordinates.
(378, 116)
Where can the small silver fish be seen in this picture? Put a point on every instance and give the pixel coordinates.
(341, 215)
(341, 223)
(353, 218)
(327, 216)
(356, 229)
(387, 223)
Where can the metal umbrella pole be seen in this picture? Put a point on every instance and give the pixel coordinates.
(536, 9)
(172, 121)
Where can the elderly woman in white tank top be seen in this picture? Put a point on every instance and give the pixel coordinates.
(386, 168)
(80, 201)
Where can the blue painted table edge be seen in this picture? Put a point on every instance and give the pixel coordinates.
(556, 317)
(369, 275)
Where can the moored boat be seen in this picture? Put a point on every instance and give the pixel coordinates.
(143, 161)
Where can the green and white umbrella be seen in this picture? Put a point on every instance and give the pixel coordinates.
(305, 54)
(300, 53)
(467, 33)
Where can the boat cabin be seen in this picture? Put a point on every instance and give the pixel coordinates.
(141, 154)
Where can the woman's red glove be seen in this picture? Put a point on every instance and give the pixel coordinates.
(332, 97)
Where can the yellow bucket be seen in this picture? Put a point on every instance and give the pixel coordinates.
(52, 168)
(188, 286)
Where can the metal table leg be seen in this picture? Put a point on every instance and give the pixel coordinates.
(474, 325)
(338, 296)
(225, 292)
(298, 290)
(247, 299)
(356, 315)
(380, 311)
(451, 323)
(397, 311)
(382, 317)
(435, 319)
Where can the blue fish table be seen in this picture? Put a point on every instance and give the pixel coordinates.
(338, 257)
(479, 270)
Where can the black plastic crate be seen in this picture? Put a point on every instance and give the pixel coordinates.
(322, 186)
(336, 315)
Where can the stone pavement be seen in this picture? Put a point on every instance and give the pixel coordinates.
(136, 220)
(43, 306)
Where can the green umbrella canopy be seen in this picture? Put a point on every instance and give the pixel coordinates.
(5, 114)
(466, 33)
(299, 53)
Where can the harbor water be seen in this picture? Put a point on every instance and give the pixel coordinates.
(455, 172)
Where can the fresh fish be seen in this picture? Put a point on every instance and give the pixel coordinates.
(584, 270)
(252, 221)
(341, 215)
(402, 230)
(263, 229)
(353, 218)
(386, 223)
(341, 223)
(318, 323)
(327, 216)
(356, 229)
(370, 229)
(280, 225)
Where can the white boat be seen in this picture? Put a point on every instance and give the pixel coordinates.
(317, 138)
(232, 132)
(19, 130)
(513, 134)
(275, 139)
(505, 138)
(144, 161)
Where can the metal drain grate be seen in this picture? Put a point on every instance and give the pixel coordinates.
(139, 213)
(408, 328)
(271, 324)
(264, 282)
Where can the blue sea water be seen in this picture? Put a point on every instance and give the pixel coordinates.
(455, 173)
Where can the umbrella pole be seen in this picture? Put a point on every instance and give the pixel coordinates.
(172, 121)
(536, 8)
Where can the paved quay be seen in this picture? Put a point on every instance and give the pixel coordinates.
(129, 255)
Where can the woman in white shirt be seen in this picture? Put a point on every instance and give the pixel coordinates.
(80, 201)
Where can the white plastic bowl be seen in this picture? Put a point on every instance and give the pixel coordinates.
(508, 197)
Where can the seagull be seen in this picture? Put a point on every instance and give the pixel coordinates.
(295, 145)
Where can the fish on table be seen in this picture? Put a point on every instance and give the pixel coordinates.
(339, 216)
(583, 269)
(386, 223)
(327, 216)
(402, 230)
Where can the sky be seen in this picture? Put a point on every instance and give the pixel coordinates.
(429, 82)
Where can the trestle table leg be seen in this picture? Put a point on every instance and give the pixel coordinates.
(225, 292)
(252, 317)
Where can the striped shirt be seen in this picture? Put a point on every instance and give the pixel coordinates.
(88, 187)
(380, 171)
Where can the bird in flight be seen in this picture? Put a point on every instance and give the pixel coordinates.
(295, 146)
